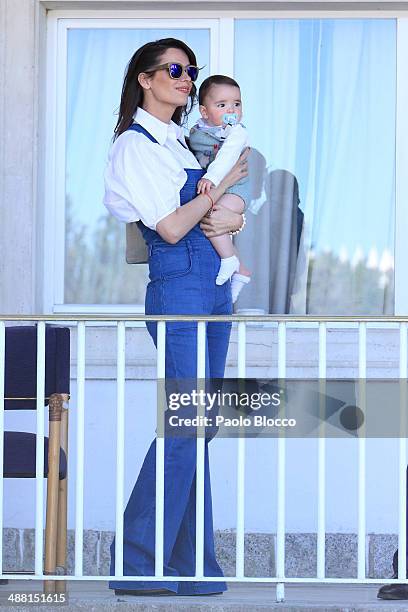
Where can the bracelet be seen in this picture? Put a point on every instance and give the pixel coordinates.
(241, 228)
(210, 210)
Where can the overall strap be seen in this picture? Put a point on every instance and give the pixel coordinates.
(139, 128)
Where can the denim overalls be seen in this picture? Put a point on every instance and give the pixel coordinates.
(182, 281)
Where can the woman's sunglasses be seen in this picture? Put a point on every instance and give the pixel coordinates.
(176, 70)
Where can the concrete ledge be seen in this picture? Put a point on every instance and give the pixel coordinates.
(238, 598)
(301, 553)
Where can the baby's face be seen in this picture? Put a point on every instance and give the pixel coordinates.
(219, 100)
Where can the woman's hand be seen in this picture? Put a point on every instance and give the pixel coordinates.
(238, 171)
(222, 221)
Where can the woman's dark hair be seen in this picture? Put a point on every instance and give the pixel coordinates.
(215, 79)
(142, 60)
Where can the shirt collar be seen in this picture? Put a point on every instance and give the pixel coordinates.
(202, 125)
(158, 129)
(215, 130)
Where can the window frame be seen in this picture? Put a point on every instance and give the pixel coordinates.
(58, 26)
(222, 26)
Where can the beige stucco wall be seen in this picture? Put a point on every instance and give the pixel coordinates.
(18, 84)
(22, 119)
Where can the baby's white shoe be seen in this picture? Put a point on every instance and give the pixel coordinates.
(237, 283)
(228, 266)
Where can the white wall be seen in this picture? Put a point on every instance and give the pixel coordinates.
(260, 504)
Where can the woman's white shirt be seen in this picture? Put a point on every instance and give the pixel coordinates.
(142, 178)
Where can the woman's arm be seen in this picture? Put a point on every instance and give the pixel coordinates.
(222, 221)
(178, 223)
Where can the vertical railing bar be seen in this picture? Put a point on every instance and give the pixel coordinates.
(39, 460)
(80, 439)
(362, 373)
(321, 508)
(201, 346)
(280, 531)
(402, 514)
(240, 546)
(2, 369)
(160, 440)
(120, 443)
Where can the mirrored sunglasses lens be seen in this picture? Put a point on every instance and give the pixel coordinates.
(175, 71)
(192, 72)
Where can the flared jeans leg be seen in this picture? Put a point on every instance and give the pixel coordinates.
(194, 292)
(184, 552)
(179, 523)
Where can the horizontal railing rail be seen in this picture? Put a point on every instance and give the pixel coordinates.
(272, 318)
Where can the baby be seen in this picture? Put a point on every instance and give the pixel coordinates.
(217, 140)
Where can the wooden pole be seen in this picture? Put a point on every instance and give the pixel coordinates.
(55, 410)
(61, 585)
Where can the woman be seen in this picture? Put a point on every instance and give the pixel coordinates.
(151, 178)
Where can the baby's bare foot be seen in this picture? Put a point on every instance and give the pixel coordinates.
(244, 270)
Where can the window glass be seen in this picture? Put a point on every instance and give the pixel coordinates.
(95, 268)
(319, 103)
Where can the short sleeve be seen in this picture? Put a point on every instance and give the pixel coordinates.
(141, 180)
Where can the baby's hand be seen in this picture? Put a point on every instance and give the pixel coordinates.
(204, 185)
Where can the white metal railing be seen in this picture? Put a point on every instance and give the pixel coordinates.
(79, 480)
(161, 368)
(402, 531)
(321, 461)
(2, 362)
(80, 322)
(39, 460)
(240, 535)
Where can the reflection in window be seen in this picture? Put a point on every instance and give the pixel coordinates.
(95, 268)
(319, 103)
